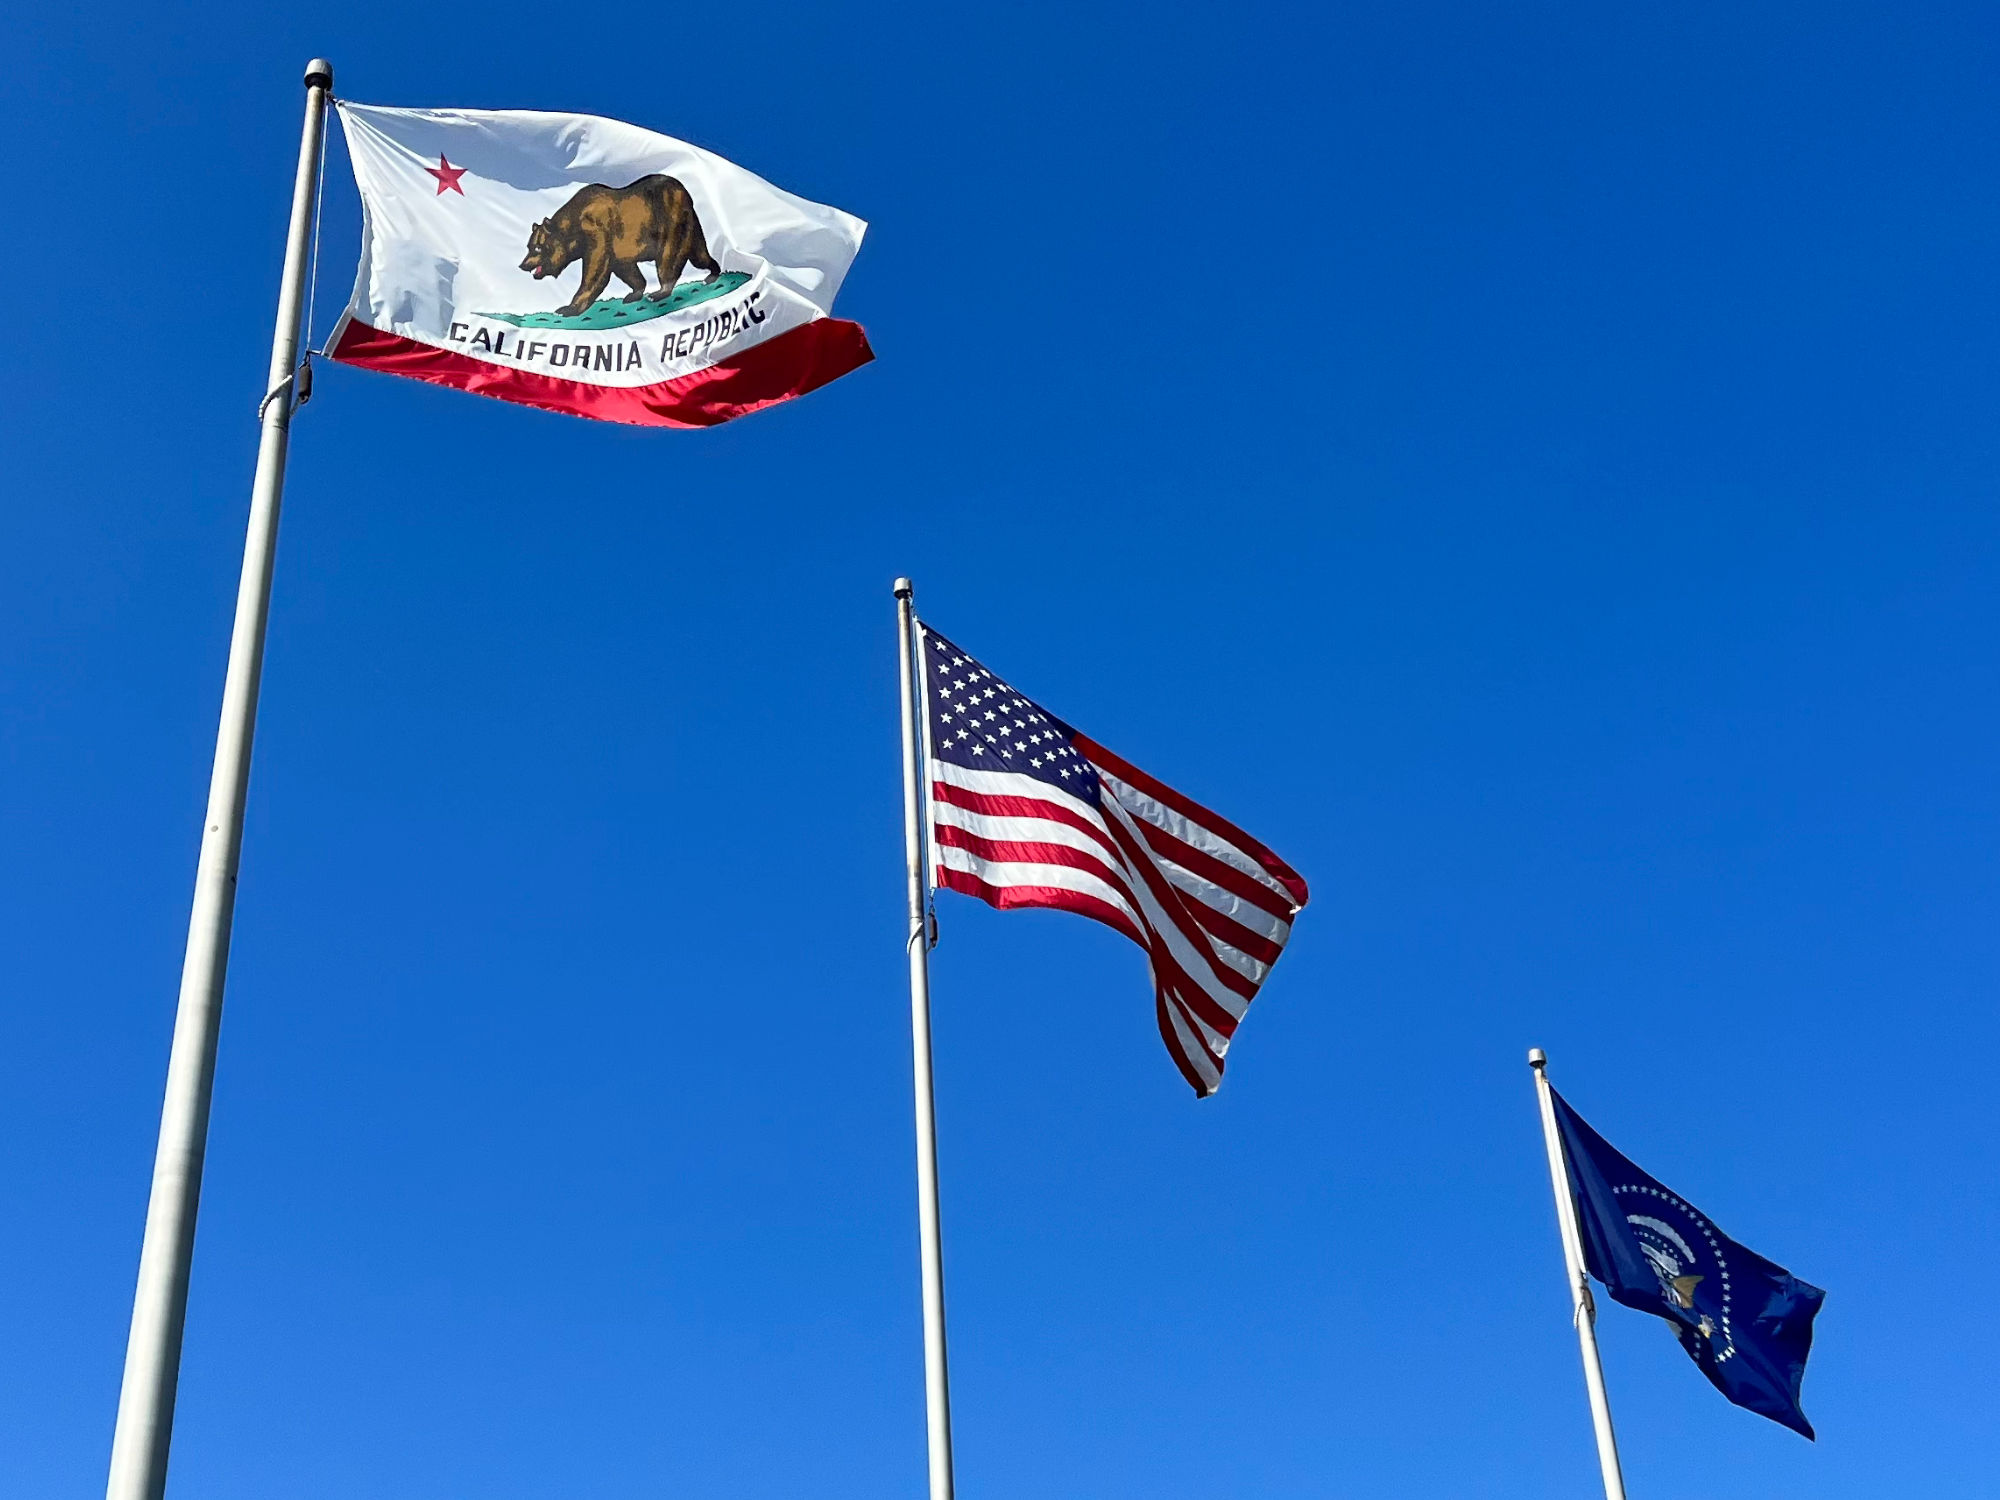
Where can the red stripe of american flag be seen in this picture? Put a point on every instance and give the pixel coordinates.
(1033, 806)
(1194, 812)
(1005, 897)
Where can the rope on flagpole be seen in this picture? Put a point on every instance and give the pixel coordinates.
(312, 286)
(924, 735)
(297, 387)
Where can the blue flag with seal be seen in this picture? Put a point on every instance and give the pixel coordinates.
(1746, 1322)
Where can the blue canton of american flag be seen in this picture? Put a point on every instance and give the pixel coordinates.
(1025, 811)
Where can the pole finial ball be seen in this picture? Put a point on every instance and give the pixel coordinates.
(904, 588)
(319, 74)
(1537, 1058)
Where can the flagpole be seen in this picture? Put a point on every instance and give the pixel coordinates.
(1583, 1310)
(937, 1381)
(159, 1307)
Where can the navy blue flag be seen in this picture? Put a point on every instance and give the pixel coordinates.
(1746, 1322)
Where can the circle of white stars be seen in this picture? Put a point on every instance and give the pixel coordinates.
(1694, 1217)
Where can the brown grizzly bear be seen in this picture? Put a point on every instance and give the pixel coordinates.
(613, 230)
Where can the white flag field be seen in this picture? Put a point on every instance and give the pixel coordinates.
(588, 266)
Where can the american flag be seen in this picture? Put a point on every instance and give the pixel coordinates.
(1024, 811)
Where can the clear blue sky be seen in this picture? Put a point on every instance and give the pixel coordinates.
(1535, 469)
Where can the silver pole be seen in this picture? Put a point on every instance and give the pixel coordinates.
(159, 1308)
(1583, 1310)
(937, 1381)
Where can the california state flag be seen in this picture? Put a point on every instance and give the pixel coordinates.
(587, 266)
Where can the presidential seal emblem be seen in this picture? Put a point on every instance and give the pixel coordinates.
(1686, 1254)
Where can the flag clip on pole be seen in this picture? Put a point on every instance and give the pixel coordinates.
(937, 1380)
(159, 1306)
(1582, 1309)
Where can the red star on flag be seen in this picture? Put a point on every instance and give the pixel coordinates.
(447, 176)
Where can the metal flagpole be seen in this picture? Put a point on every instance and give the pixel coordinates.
(937, 1381)
(159, 1308)
(1583, 1309)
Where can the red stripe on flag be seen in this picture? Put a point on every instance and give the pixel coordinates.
(1229, 930)
(1007, 897)
(1010, 851)
(1215, 871)
(1125, 771)
(1189, 995)
(1175, 905)
(995, 806)
(1202, 1090)
(796, 361)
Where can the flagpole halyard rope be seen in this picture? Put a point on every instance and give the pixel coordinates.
(297, 386)
(929, 854)
(312, 285)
